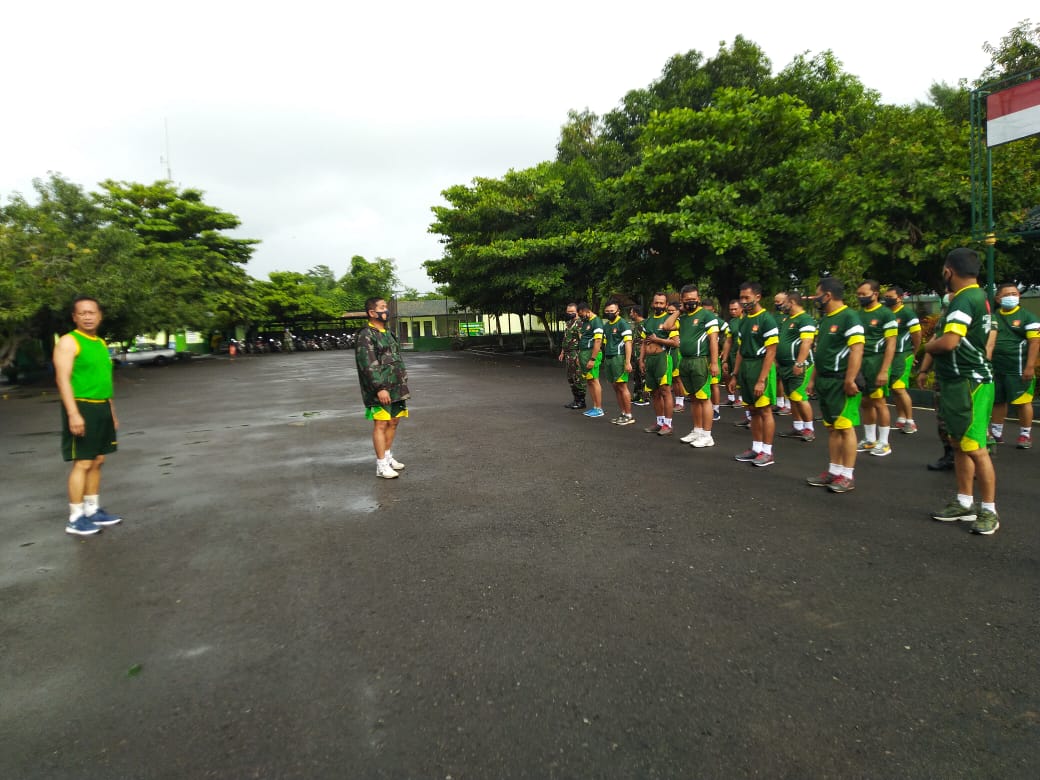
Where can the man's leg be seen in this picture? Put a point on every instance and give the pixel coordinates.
(381, 433)
(595, 393)
(78, 480)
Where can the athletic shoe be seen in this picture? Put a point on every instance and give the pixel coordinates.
(594, 412)
(716, 415)
(666, 430)
(784, 412)
(738, 404)
(626, 419)
(822, 480)
(101, 517)
(762, 459)
(997, 439)
(81, 526)
(808, 435)
(680, 406)
(655, 428)
(395, 464)
(617, 419)
(641, 402)
(909, 427)
(1024, 443)
(386, 472)
(842, 484)
(953, 512)
(865, 446)
(746, 456)
(986, 523)
(794, 433)
(690, 437)
(703, 441)
(745, 423)
(881, 450)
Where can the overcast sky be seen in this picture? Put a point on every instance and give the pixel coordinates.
(330, 129)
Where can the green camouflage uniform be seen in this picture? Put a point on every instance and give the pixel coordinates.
(637, 348)
(569, 346)
(380, 366)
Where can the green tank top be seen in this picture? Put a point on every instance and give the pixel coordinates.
(92, 369)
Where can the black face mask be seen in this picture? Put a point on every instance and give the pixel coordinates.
(818, 302)
(611, 315)
(570, 315)
(691, 305)
(866, 300)
(747, 306)
(891, 303)
(658, 310)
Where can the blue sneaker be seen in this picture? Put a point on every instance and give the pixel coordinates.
(716, 415)
(594, 412)
(101, 517)
(82, 527)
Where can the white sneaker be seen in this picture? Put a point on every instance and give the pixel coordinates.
(690, 437)
(386, 472)
(394, 462)
(703, 441)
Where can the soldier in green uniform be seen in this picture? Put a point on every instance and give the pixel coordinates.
(755, 372)
(698, 362)
(908, 339)
(716, 379)
(656, 363)
(966, 377)
(729, 350)
(384, 384)
(617, 363)
(569, 357)
(83, 373)
(590, 356)
(794, 361)
(635, 316)
(1014, 364)
(879, 349)
(839, 356)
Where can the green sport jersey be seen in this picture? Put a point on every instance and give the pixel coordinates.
(755, 332)
(1015, 329)
(878, 324)
(839, 331)
(654, 326)
(907, 324)
(92, 368)
(967, 315)
(591, 329)
(793, 331)
(615, 334)
(695, 328)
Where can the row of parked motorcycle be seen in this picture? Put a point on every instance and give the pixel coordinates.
(314, 343)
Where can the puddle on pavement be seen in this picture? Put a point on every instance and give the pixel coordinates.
(360, 504)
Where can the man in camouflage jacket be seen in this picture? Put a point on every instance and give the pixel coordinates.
(384, 384)
(569, 357)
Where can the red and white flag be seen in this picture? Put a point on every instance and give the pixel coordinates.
(1013, 113)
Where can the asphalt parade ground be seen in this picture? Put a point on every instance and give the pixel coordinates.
(540, 595)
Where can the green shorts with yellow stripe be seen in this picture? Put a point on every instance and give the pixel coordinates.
(1012, 389)
(395, 409)
(839, 411)
(658, 370)
(871, 367)
(899, 373)
(99, 437)
(750, 368)
(797, 387)
(966, 407)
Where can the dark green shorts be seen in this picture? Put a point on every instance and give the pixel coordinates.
(394, 410)
(749, 371)
(797, 387)
(871, 366)
(899, 374)
(839, 411)
(614, 369)
(695, 376)
(966, 407)
(584, 356)
(1012, 389)
(99, 437)
(658, 370)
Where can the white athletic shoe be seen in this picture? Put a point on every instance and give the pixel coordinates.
(395, 464)
(386, 472)
(690, 437)
(703, 441)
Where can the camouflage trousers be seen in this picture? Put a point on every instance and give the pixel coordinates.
(574, 375)
(940, 423)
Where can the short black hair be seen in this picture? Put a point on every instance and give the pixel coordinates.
(90, 298)
(569, 304)
(689, 288)
(584, 306)
(834, 286)
(795, 297)
(895, 288)
(637, 310)
(1002, 285)
(662, 294)
(963, 262)
(755, 287)
(370, 303)
(873, 284)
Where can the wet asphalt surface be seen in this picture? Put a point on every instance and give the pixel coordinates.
(539, 595)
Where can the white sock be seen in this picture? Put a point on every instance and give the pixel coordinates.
(989, 506)
(900, 421)
(964, 501)
(847, 472)
(660, 420)
(75, 512)
(883, 434)
(1025, 432)
(698, 431)
(756, 446)
(808, 425)
(90, 505)
(799, 425)
(767, 449)
(835, 469)
(667, 421)
(998, 429)
(714, 407)
(870, 432)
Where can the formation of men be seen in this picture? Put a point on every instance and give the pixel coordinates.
(852, 361)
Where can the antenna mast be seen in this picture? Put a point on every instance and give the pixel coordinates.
(164, 159)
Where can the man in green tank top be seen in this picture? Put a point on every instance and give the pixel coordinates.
(83, 372)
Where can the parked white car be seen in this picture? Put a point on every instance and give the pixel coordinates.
(143, 354)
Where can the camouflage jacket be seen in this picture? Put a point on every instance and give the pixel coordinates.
(379, 366)
(571, 336)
